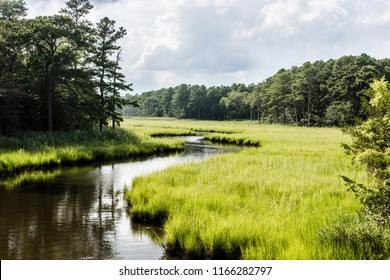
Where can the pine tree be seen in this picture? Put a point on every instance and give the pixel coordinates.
(117, 85)
(109, 79)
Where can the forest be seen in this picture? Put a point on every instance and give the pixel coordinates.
(59, 72)
(330, 93)
(63, 72)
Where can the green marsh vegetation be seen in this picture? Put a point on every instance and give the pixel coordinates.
(37, 150)
(273, 202)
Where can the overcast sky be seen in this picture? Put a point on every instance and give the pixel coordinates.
(220, 42)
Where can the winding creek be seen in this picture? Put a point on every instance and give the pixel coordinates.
(79, 213)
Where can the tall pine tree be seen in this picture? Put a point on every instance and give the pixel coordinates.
(109, 78)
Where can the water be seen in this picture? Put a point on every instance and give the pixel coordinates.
(79, 213)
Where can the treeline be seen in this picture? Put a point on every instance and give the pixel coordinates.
(331, 93)
(59, 72)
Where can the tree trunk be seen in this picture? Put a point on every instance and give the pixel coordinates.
(102, 108)
(295, 112)
(49, 113)
(49, 104)
(309, 108)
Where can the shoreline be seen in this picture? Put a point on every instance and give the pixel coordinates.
(28, 156)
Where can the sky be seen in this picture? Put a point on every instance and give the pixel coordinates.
(221, 42)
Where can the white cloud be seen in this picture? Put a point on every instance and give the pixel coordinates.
(281, 16)
(330, 11)
(167, 29)
(162, 42)
(288, 17)
(374, 12)
(44, 8)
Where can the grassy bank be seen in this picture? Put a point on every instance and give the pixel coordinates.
(271, 202)
(37, 150)
(166, 127)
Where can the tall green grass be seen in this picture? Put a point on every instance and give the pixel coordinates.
(37, 150)
(32, 140)
(234, 139)
(165, 127)
(262, 203)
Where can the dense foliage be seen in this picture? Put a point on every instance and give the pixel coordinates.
(371, 149)
(368, 233)
(330, 93)
(58, 72)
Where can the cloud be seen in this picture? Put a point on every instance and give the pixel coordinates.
(281, 17)
(329, 12)
(162, 43)
(287, 18)
(215, 42)
(195, 39)
(373, 13)
(43, 8)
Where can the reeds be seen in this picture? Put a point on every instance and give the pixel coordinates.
(261, 203)
(37, 150)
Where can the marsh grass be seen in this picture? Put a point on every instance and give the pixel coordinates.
(32, 141)
(234, 139)
(37, 150)
(16, 181)
(165, 127)
(261, 203)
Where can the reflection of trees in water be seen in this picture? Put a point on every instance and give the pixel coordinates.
(72, 218)
(152, 232)
(72, 213)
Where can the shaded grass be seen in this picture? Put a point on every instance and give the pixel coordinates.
(32, 141)
(37, 150)
(262, 203)
(15, 181)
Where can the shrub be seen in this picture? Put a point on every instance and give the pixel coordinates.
(371, 150)
(363, 236)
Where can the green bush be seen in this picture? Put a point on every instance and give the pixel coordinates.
(370, 149)
(363, 236)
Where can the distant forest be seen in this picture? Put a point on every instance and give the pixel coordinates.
(330, 93)
(63, 72)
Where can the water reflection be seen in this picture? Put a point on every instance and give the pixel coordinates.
(79, 213)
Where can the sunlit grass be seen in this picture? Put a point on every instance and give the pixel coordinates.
(261, 203)
(269, 202)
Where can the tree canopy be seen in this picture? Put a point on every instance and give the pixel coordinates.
(12, 9)
(320, 93)
(58, 72)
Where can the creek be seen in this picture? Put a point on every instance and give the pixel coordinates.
(79, 212)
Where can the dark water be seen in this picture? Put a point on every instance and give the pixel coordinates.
(79, 213)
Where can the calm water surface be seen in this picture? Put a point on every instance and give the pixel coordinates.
(79, 213)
